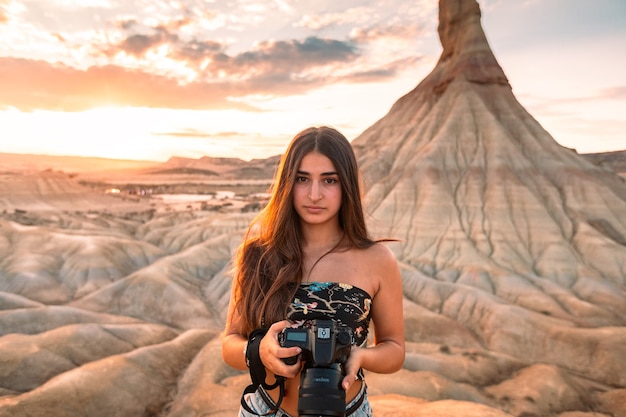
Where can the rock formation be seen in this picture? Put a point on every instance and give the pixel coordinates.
(517, 242)
(465, 176)
(512, 249)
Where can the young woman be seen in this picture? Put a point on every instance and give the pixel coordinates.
(308, 256)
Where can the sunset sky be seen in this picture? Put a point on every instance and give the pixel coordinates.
(149, 79)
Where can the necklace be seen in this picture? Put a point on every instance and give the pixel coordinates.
(332, 249)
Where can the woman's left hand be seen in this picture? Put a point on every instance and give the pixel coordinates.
(352, 366)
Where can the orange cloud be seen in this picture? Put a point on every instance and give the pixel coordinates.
(29, 85)
(3, 13)
(272, 68)
(406, 32)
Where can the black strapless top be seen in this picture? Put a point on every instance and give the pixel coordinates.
(344, 303)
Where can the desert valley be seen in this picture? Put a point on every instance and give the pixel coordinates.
(115, 275)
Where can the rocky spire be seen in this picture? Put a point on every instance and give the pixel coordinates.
(490, 210)
(462, 173)
(466, 52)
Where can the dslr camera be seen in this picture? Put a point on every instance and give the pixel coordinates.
(325, 348)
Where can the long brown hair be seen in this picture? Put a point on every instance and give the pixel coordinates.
(269, 261)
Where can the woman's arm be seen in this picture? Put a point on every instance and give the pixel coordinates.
(234, 344)
(387, 353)
(233, 341)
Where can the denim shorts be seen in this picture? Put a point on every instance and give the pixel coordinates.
(257, 403)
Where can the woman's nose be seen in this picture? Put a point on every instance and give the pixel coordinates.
(315, 192)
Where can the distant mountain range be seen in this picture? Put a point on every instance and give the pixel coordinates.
(206, 165)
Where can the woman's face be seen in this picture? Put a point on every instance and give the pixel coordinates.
(317, 190)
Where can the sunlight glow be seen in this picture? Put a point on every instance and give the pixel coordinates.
(141, 133)
(111, 53)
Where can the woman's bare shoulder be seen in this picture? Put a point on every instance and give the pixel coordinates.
(378, 257)
(380, 251)
(378, 263)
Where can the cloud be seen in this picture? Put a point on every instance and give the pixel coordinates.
(271, 67)
(4, 17)
(614, 93)
(208, 59)
(557, 106)
(293, 56)
(382, 72)
(138, 44)
(195, 133)
(29, 85)
(142, 38)
(405, 32)
(355, 15)
(197, 51)
(164, 63)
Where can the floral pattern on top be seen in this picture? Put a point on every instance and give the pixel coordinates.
(344, 303)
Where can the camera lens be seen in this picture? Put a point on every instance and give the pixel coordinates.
(321, 394)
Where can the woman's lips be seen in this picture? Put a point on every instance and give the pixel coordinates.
(313, 209)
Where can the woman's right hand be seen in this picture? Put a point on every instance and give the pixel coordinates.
(272, 354)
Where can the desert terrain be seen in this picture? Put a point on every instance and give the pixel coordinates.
(115, 275)
(114, 302)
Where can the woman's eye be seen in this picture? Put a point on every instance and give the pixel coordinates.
(331, 180)
(301, 179)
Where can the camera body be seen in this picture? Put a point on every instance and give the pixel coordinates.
(325, 347)
(323, 342)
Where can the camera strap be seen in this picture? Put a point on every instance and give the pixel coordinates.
(258, 374)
